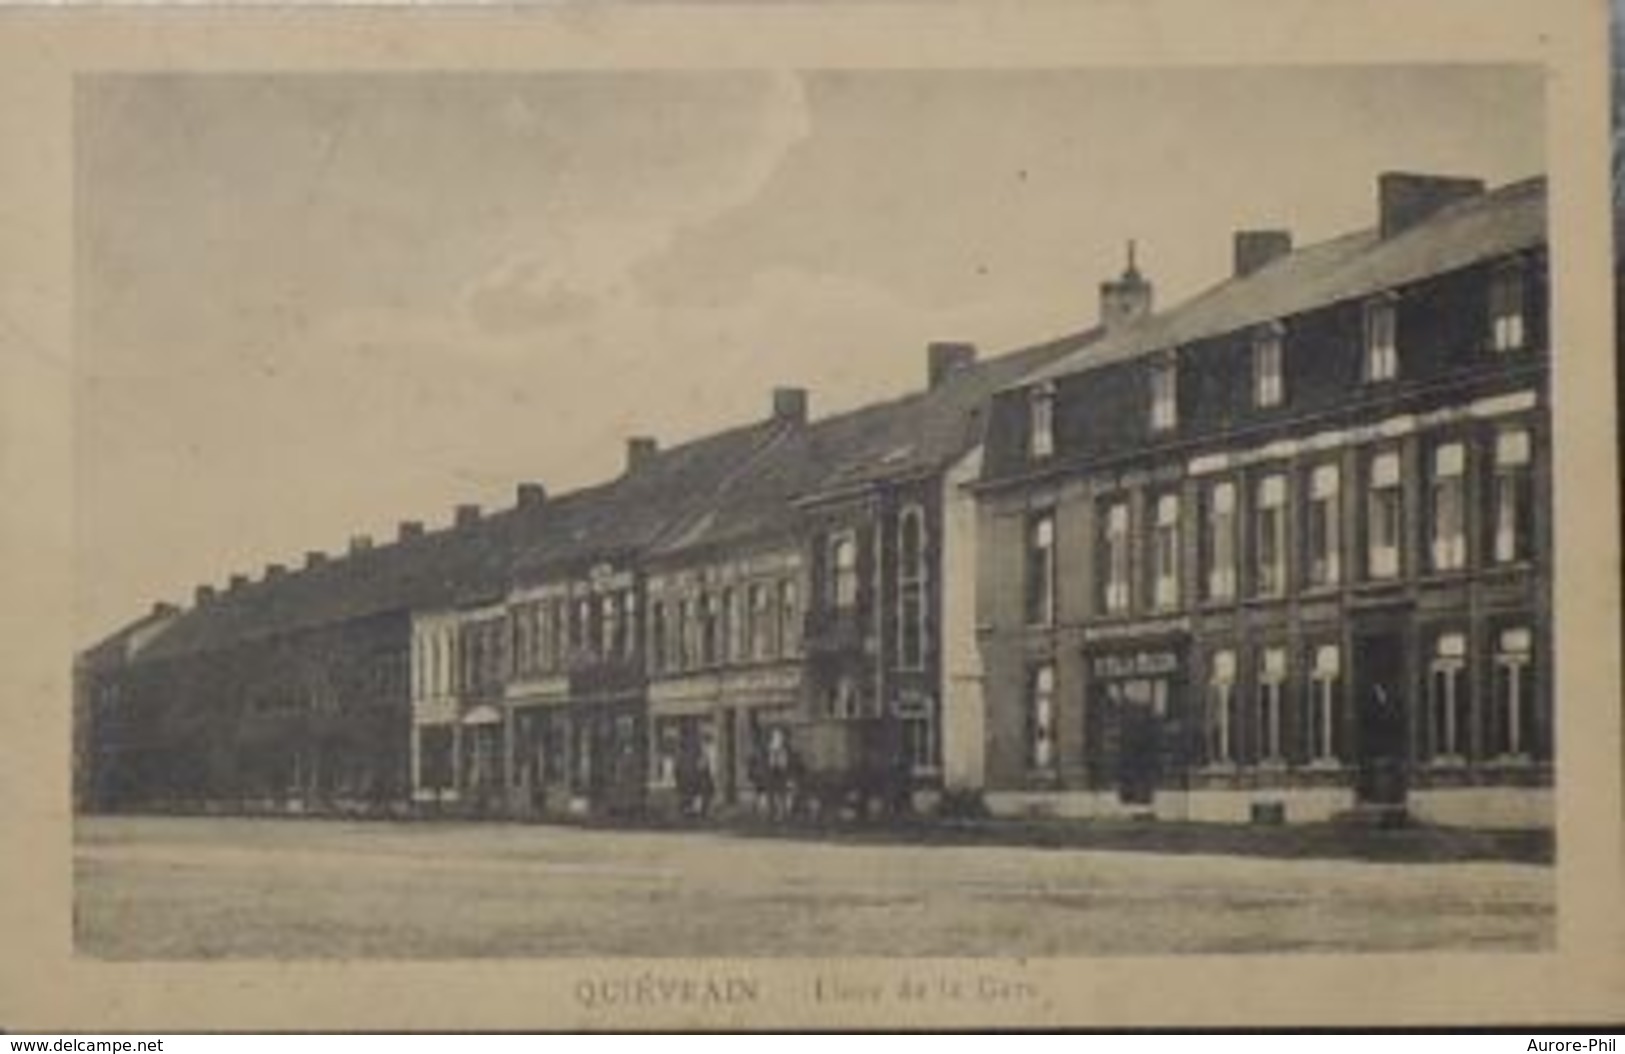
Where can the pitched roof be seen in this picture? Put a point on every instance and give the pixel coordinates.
(922, 431)
(1351, 266)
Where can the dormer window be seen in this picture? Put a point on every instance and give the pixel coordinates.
(1164, 395)
(1381, 342)
(1041, 420)
(1267, 386)
(1507, 329)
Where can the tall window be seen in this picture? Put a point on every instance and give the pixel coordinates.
(789, 618)
(1041, 420)
(1040, 592)
(657, 635)
(1271, 682)
(1323, 527)
(1219, 541)
(1449, 708)
(629, 623)
(1507, 331)
(1164, 395)
(1384, 513)
(1041, 753)
(1513, 734)
(1381, 340)
(683, 634)
(843, 563)
(1514, 498)
(1269, 536)
(1447, 508)
(613, 643)
(1165, 553)
(559, 639)
(1267, 385)
(761, 622)
(1221, 709)
(709, 621)
(1325, 689)
(727, 626)
(1115, 559)
(911, 588)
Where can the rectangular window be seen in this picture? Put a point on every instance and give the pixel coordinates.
(1219, 541)
(1449, 708)
(1381, 342)
(1115, 553)
(1447, 508)
(683, 634)
(629, 624)
(1267, 386)
(1323, 741)
(1514, 498)
(1269, 536)
(614, 624)
(911, 588)
(761, 622)
(1221, 704)
(1041, 421)
(1384, 516)
(1513, 734)
(1041, 752)
(1164, 396)
(1323, 527)
(1165, 553)
(1271, 681)
(789, 618)
(843, 561)
(1040, 592)
(710, 620)
(1507, 330)
(657, 636)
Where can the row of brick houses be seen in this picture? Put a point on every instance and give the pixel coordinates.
(1281, 549)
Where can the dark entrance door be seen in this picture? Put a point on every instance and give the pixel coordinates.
(1379, 696)
(1141, 706)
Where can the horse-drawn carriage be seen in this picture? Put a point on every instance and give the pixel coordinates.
(824, 766)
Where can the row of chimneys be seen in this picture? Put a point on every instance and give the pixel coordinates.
(1404, 199)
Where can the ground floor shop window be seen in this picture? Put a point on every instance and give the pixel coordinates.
(1513, 734)
(1449, 704)
(1271, 684)
(1041, 717)
(435, 757)
(1221, 705)
(1324, 717)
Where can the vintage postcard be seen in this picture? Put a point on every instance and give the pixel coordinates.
(612, 516)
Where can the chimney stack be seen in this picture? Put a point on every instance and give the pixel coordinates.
(1126, 299)
(530, 496)
(202, 596)
(406, 530)
(467, 515)
(790, 405)
(944, 358)
(164, 609)
(360, 543)
(236, 582)
(1405, 199)
(274, 571)
(315, 558)
(640, 450)
(1255, 249)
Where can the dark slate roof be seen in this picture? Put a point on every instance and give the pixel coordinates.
(920, 432)
(1356, 265)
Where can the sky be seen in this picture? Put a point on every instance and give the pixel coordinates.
(310, 306)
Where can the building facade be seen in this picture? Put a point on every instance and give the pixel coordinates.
(1284, 550)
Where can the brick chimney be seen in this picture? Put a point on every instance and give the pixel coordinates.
(1125, 299)
(1254, 249)
(467, 515)
(530, 496)
(790, 405)
(944, 358)
(407, 530)
(274, 571)
(640, 450)
(315, 558)
(1405, 199)
(202, 596)
(360, 543)
(236, 582)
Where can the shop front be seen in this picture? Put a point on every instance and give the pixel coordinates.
(1136, 721)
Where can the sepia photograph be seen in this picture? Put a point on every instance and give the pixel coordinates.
(672, 516)
(1173, 578)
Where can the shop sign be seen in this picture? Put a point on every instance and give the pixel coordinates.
(1137, 664)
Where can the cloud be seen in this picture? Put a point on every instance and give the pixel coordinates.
(592, 254)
